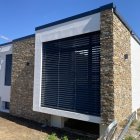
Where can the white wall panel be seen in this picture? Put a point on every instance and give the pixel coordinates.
(135, 71)
(4, 90)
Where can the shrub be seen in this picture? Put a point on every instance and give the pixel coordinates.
(52, 137)
(64, 138)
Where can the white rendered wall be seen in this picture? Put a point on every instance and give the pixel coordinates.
(75, 27)
(135, 72)
(4, 90)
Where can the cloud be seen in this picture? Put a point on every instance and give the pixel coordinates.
(5, 38)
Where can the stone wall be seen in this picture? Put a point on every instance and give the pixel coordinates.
(106, 65)
(21, 102)
(122, 70)
(115, 70)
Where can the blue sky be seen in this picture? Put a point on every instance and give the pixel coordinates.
(20, 17)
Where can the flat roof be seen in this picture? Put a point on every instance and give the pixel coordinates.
(4, 44)
(24, 37)
(102, 8)
(18, 39)
(126, 25)
(105, 7)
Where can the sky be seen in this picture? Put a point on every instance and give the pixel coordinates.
(19, 18)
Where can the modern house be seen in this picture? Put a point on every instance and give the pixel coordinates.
(85, 68)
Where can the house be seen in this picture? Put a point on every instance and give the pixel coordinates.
(83, 68)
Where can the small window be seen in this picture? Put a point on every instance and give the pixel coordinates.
(8, 69)
(7, 105)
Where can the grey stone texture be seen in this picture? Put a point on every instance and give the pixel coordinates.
(116, 95)
(106, 67)
(21, 102)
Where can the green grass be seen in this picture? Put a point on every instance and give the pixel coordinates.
(64, 138)
(138, 127)
(53, 136)
(130, 138)
(134, 122)
(138, 112)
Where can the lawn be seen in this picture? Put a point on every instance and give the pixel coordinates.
(14, 128)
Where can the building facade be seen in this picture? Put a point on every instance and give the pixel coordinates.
(85, 68)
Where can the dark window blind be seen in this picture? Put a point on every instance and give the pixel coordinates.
(71, 74)
(8, 69)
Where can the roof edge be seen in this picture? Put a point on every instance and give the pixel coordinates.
(18, 39)
(126, 25)
(136, 38)
(24, 37)
(4, 44)
(121, 19)
(102, 8)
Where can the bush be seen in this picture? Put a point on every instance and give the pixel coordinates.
(52, 137)
(64, 138)
(130, 138)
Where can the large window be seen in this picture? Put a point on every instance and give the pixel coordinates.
(8, 69)
(71, 74)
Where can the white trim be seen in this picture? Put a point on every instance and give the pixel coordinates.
(37, 75)
(72, 28)
(69, 114)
